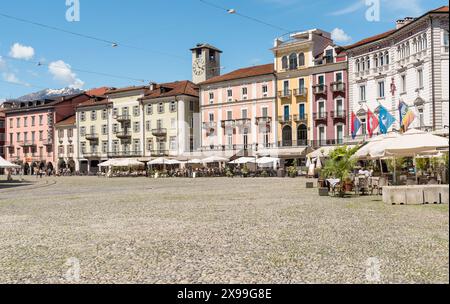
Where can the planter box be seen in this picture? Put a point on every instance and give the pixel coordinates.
(323, 192)
(309, 185)
(416, 194)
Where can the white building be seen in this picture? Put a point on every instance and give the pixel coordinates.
(409, 64)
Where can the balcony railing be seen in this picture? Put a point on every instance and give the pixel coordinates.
(320, 116)
(338, 114)
(91, 136)
(302, 92)
(123, 134)
(160, 152)
(228, 123)
(119, 154)
(209, 125)
(326, 142)
(159, 132)
(319, 89)
(263, 120)
(293, 143)
(301, 118)
(123, 118)
(283, 119)
(285, 93)
(27, 143)
(337, 86)
(47, 142)
(243, 122)
(9, 144)
(91, 154)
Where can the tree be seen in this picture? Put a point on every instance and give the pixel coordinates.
(340, 164)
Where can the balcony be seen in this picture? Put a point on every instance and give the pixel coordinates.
(124, 154)
(320, 116)
(285, 119)
(326, 142)
(285, 93)
(91, 136)
(264, 120)
(293, 143)
(123, 118)
(159, 153)
(338, 86)
(47, 142)
(229, 123)
(123, 134)
(92, 154)
(9, 144)
(243, 122)
(209, 125)
(303, 118)
(341, 115)
(320, 89)
(27, 143)
(159, 132)
(302, 92)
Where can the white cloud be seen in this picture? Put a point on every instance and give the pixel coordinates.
(20, 51)
(339, 35)
(349, 9)
(10, 77)
(62, 72)
(2, 64)
(401, 8)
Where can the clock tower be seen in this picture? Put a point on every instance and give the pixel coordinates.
(205, 62)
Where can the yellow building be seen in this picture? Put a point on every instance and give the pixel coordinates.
(294, 56)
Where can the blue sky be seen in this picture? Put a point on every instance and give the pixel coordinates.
(163, 31)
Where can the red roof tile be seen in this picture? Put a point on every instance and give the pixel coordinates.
(97, 91)
(69, 121)
(99, 100)
(125, 89)
(253, 71)
(170, 89)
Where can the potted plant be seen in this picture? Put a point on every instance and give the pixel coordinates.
(245, 171)
(340, 165)
(228, 172)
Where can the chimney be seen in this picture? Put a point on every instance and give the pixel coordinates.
(152, 86)
(399, 23)
(402, 22)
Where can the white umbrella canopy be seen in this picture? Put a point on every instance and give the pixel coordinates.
(243, 160)
(215, 159)
(318, 163)
(268, 161)
(195, 161)
(308, 162)
(160, 161)
(7, 165)
(107, 163)
(129, 163)
(414, 142)
(174, 162)
(375, 147)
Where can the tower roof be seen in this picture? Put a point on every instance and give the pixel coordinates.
(205, 46)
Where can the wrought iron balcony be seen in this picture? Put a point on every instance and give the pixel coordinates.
(229, 123)
(91, 154)
(160, 152)
(326, 142)
(301, 118)
(123, 134)
(91, 136)
(319, 89)
(320, 116)
(27, 143)
(337, 86)
(47, 142)
(284, 119)
(243, 122)
(159, 132)
(338, 114)
(9, 144)
(123, 118)
(285, 93)
(301, 92)
(209, 125)
(119, 154)
(263, 120)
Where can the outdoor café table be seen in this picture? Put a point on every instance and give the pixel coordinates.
(333, 182)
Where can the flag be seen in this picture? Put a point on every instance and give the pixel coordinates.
(356, 124)
(406, 116)
(372, 122)
(385, 120)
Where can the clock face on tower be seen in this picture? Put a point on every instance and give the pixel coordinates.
(198, 67)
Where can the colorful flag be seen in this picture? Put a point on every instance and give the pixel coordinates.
(356, 124)
(385, 120)
(372, 122)
(406, 116)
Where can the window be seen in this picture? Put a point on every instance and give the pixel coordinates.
(229, 115)
(301, 85)
(230, 94)
(61, 150)
(61, 133)
(25, 121)
(211, 97)
(83, 116)
(362, 93)
(368, 62)
(149, 144)
(104, 147)
(244, 113)
(338, 77)
(286, 88)
(420, 79)
(69, 133)
(93, 115)
(230, 140)
(104, 129)
(244, 93)
(93, 131)
(211, 117)
(70, 149)
(125, 111)
(421, 118)
(173, 106)
(381, 89)
(115, 146)
(159, 124)
(386, 57)
(339, 108)
(115, 128)
(321, 109)
(357, 66)
(265, 90)
(11, 123)
(363, 126)
(329, 56)
(173, 123)
(191, 106)
(136, 111)
(136, 127)
(136, 145)
(381, 58)
(82, 131)
(149, 109)
(301, 59)
(284, 63)
(33, 121)
(375, 60)
(104, 114)
(322, 136)
(340, 134)
(18, 136)
(115, 112)
(293, 63)
(148, 125)
(445, 41)
(173, 143)
(83, 147)
(160, 108)
(41, 135)
(18, 122)
(403, 83)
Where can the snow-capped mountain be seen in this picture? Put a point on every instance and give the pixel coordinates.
(49, 93)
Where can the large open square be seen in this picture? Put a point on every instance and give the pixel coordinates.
(217, 230)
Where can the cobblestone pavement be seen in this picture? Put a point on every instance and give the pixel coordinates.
(96, 230)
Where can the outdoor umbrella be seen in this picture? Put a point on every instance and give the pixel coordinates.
(268, 161)
(308, 162)
(215, 159)
(4, 164)
(414, 142)
(243, 160)
(159, 161)
(375, 147)
(318, 163)
(195, 161)
(173, 162)
(107, 163)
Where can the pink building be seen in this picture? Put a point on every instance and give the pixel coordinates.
(238, 111)
(330, 102)
(30, 130)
